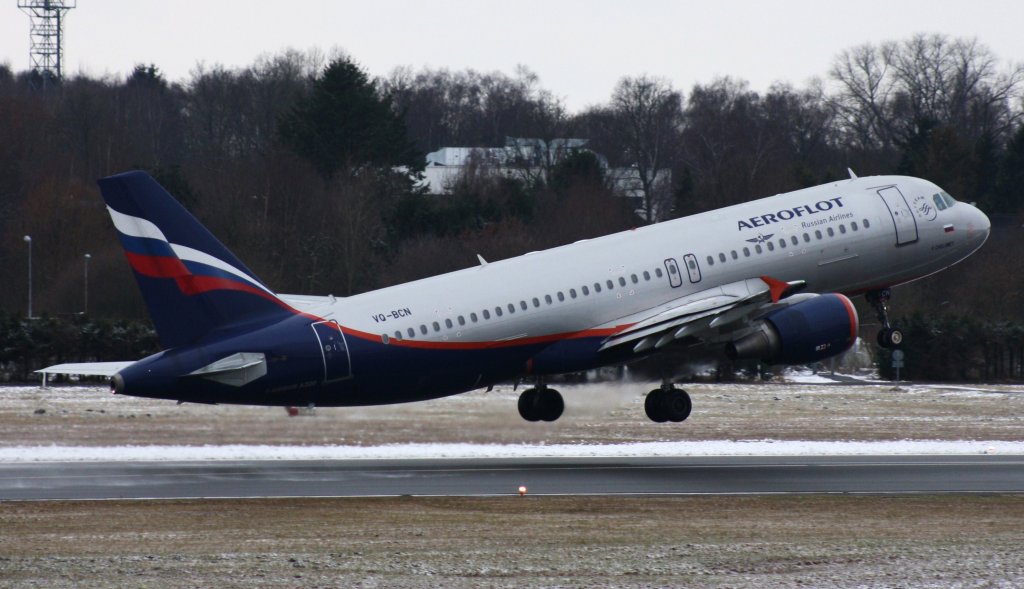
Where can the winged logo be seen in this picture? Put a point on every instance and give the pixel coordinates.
(761, 238)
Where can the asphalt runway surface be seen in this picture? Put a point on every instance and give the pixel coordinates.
(495, 477)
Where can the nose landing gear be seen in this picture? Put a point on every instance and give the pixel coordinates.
(889, 336)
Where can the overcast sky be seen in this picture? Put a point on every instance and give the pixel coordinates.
(578, 48)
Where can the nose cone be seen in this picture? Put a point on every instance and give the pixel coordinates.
(977, 225)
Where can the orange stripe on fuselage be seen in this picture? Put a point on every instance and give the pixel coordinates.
(525, 341)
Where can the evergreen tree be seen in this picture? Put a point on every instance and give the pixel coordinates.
(344, 124)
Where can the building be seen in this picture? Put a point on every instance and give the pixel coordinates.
(527, 159)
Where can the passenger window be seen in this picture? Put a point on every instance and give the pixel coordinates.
(782, 243)
(817, 233)
(572, 292)
(497, 312)
(610, 284)
(585, 290)
(561, 297)
(448, 323)
(657, 272)
(597, 287)
(807, 238)
(757, 248)
(462, 320)
(842, 228)
(536, 302)
(511, 308)
(853, 225)
(411, 332)
(472, 317)
(398, 335)
(547, 299)
(721, 257)
(487, 314)
(634, 278)
(735, 256)
(647, 275)
(794, 240)
(622, 281)
(866, 224)
(423, 329)
(771, 246)
(831, 232)
(746, 252)
(522, 305)
(711, 261)
(437, 326)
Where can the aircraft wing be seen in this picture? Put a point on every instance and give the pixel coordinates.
(719, 313)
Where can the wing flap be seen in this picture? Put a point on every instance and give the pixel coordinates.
(708, 309)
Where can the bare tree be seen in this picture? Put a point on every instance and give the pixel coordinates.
(890, 93)
(865, 94)
(648, 113)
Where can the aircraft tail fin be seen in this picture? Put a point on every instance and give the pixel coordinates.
(191, 283)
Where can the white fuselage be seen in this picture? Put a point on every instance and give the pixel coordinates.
(840, 237)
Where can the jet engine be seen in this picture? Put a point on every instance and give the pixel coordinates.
(802, 333)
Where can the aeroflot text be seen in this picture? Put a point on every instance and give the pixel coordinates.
(787, 214)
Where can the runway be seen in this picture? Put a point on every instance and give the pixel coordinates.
(495, 477)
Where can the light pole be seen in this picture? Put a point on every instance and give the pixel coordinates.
(85, 304)
(28, 240)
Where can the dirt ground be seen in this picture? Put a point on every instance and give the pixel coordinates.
(719, 542)
(737, 542)
(608, 413)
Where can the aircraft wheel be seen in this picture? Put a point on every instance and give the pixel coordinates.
(528, 405)
(677, 405)
(550, 405)
(654, 406)
(890, 338)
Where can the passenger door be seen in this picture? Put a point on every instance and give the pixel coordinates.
(902, 217)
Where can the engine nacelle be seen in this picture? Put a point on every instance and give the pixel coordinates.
(806, 332)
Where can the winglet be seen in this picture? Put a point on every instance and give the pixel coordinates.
(777, 288)
(853, 176)
(483, 262)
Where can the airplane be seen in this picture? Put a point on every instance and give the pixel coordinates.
(769, 279)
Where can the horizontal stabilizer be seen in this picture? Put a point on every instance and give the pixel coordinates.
(86, 368)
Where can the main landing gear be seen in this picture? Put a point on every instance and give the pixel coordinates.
(541, 404)
(889, 336)
(668, 404)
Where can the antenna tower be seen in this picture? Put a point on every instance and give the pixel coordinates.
(46, 34)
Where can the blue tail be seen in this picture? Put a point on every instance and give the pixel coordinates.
(191, 283)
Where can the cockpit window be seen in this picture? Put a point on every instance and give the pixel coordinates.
(949, 199)
(939, 202)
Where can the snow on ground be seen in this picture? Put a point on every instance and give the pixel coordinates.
(428, 451)
(806, 377)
